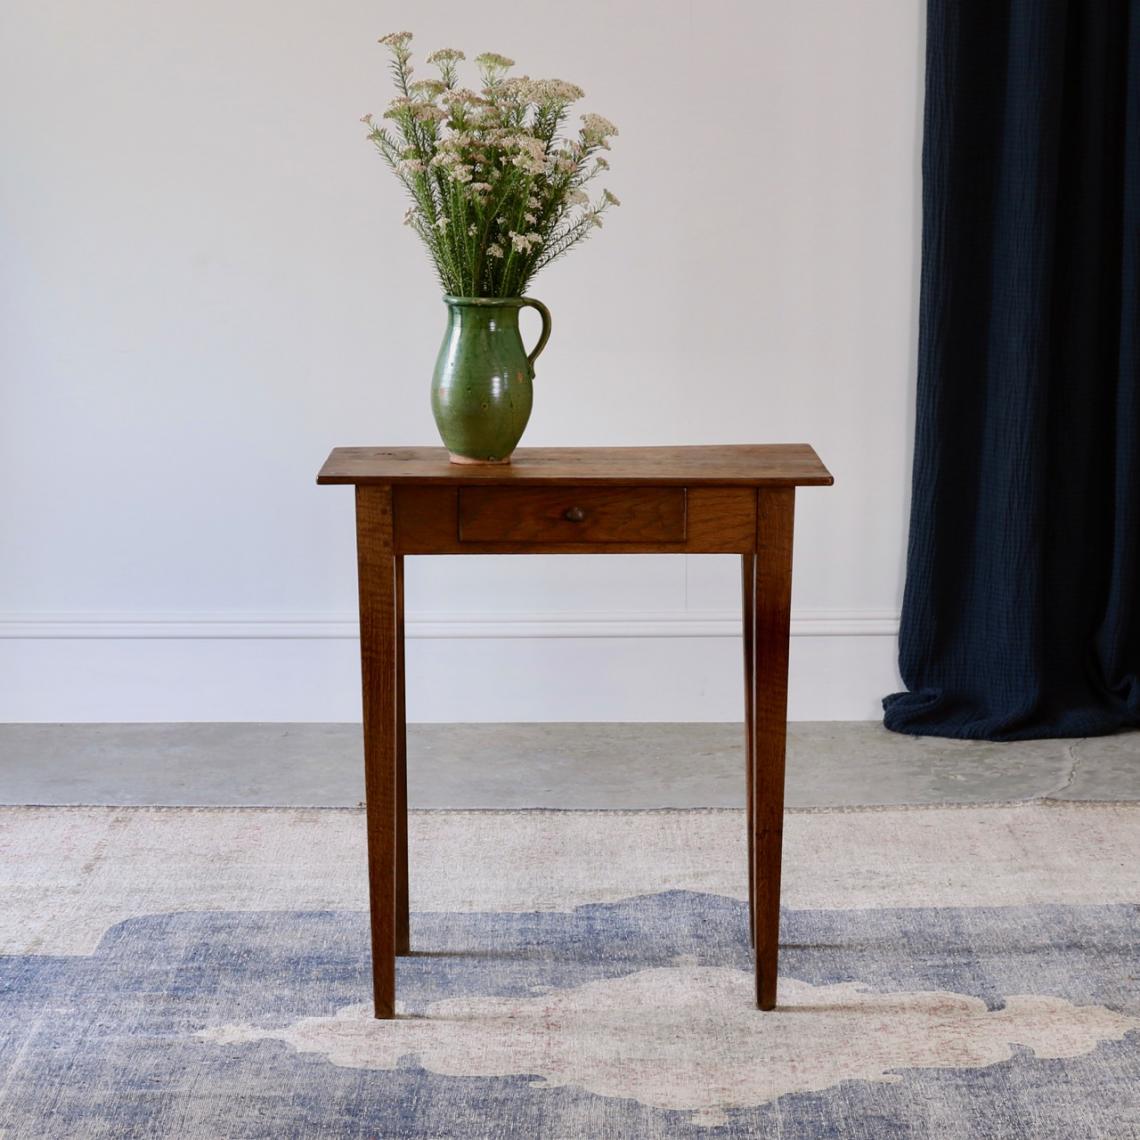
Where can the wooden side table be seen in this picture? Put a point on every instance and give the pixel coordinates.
(629, 500)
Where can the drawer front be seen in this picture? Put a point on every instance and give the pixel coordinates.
(572, 514)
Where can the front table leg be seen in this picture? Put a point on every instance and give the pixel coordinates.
(771, 616)
(403, 933)
(376, 571)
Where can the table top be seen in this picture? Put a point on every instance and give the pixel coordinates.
(745, 465)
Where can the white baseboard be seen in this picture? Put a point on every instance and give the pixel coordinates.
(629, 666)
(688, 623)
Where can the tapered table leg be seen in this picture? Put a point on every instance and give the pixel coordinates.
(771, 608)
(377, 576)
(748, 584)
(403, 933)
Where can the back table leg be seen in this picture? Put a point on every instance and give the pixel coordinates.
(748, 584)
(771, 615)
(376, 570)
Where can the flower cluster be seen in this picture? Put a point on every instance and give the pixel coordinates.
(497, 191)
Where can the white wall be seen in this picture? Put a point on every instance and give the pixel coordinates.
(206, 285)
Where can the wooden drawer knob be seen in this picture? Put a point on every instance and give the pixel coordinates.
(573, 514)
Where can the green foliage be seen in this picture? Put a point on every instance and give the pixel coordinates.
(497, 193)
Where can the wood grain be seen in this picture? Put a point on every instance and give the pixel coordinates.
(376, 573)
(746, 465)
(403, 930)
(771, 608)
(572, 514)
(747, 586)
(733, 500)
(718, 520)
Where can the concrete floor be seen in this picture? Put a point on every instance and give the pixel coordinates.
(545, 765)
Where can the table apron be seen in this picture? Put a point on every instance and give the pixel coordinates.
(716, 520)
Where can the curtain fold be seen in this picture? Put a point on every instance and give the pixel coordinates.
(1021, 615)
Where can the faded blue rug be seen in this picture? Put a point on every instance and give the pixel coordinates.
(945, 972)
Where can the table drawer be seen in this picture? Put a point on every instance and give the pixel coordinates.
(572, 514)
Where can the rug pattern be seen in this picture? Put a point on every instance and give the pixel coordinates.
(622, 1017)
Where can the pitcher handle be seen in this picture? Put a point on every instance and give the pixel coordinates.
(544, 313)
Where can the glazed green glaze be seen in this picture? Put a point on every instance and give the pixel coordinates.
(481, 392)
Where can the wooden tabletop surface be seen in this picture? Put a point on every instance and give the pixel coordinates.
(750, 465)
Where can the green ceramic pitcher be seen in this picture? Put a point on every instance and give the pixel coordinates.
(481, 392)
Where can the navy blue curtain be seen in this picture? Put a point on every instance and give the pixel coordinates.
(1021, 616)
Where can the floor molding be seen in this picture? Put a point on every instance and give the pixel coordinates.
(556, 624)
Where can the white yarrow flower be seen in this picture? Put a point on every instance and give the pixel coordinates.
(492, 61)
(463, 97)
(428, 113)
(547, 91)
(483, 160)
(523, 242)
(398, 106)
(596, 130)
